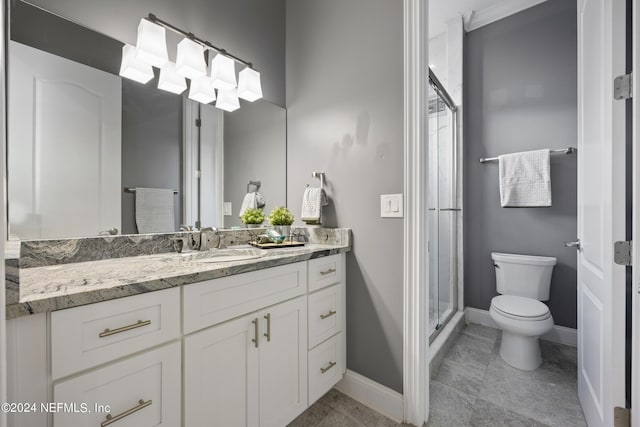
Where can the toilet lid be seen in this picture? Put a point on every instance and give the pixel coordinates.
(521, 307)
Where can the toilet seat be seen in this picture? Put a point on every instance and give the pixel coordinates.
(520, 308)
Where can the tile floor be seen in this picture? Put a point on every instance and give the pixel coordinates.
(474, 387)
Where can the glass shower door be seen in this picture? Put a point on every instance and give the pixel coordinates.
(442, 211)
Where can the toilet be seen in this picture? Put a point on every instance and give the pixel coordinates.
(522, 281)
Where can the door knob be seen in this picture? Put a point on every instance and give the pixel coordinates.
(575, 244)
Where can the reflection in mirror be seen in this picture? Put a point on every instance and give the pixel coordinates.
(82, 141)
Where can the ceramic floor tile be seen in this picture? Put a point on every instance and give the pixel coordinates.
(471, 351)
(462, 377)
(449, 407)
(337, 419)
(355, 410)
(479, 331)
(543, 394)
(313, 416)
(486, 414)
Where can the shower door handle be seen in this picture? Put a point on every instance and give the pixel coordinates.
(575, 245)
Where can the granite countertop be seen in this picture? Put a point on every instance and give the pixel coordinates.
(56, 287)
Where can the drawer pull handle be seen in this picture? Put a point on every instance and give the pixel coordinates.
(329, 271)
(139, 324)
(255, 332)
(268, 334)
(329, 314)
(111, 419)
(331, 365)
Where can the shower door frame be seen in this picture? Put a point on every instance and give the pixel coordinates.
(440, 90)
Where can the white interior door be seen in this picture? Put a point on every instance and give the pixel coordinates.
(64, 146)
(601, 36)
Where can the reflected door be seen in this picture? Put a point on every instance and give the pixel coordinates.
(64, 134)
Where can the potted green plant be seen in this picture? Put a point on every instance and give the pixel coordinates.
(252, 217)
(281, 218)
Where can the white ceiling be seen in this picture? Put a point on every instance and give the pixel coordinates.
(440, 11)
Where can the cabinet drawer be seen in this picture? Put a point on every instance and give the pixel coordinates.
(325, 367)
(141, 391)
(325, 314)
(90, 335)
(325, 271)
(214, 301)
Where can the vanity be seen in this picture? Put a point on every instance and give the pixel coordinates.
(228, 337)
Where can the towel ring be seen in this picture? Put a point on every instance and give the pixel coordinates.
(319, 175)
(257, 184)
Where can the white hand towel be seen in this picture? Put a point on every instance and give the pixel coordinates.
(313, 200)
(525, 179)
(252, 200)
(154, 210)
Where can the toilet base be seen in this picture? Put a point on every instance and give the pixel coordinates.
(520, 351)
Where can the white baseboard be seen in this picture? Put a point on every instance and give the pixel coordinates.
(559, 334)
(372, 394)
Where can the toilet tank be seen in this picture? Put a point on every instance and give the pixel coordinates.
(523, 275)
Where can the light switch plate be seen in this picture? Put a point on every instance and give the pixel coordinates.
(391, 206)
(228, 209)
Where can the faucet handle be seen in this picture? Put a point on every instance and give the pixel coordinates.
(184, 227)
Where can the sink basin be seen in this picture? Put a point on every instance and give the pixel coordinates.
(229, 255)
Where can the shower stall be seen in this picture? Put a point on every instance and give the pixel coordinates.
(443, 207)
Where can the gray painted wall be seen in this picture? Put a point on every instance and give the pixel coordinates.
(255, 149)
(251, 29)
(520, 94)
(152, 146)
(345, 118)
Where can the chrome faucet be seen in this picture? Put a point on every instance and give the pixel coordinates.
(207, 239)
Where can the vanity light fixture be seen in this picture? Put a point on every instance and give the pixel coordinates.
(228, 100)
(191, 62)
(223, 72)
(132, 68)
(249, 87)
(202, 90)
(151, 46)
(170, 80)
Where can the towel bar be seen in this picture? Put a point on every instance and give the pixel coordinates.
(568, 150)
(133, 190)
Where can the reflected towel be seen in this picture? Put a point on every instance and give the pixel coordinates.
(154, 210)
(313, 200)
(525, 179)
(252, 200)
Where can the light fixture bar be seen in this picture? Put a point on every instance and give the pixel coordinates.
(206, 44)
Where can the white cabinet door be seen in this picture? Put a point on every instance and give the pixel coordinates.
(283, 362)
(64, 146)
(221, 375)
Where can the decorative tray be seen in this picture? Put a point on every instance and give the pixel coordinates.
(271, 245)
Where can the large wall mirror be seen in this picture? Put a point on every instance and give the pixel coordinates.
(82, 141)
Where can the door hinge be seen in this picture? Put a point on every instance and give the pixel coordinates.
(198, 123)
(621, 417)
(622, 252)
(623, 86)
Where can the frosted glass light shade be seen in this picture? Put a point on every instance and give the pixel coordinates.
(223, 72)
(170, 80)
(202, 90)
(228, 100)
(151, 46)
(133, 68)
(249, 87)
(190, 59)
